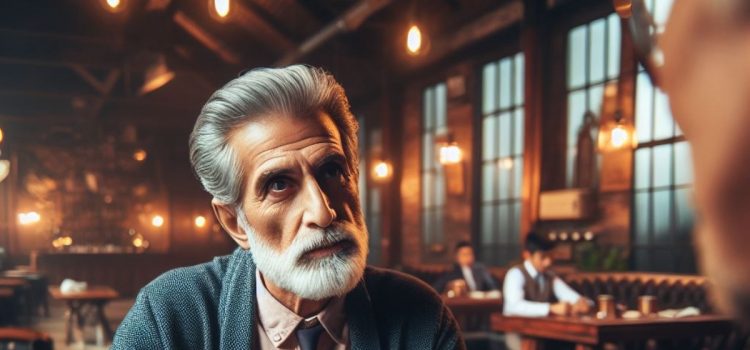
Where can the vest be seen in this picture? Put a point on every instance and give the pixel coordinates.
(531, 290)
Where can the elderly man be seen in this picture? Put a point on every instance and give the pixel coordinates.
(277, 150)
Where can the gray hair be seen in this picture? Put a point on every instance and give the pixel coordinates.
(297, 90)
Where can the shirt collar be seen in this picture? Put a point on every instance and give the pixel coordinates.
(530, 269)
(279, 322)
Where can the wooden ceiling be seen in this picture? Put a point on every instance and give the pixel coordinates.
(75, 62)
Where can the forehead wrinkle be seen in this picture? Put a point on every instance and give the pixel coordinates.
(284, 158)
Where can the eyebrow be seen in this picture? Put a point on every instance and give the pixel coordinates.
(334, 156)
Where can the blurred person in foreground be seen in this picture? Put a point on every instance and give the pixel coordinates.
(531, 289)
(277, 150)
(706, 73)
(474, 274)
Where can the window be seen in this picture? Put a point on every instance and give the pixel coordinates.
(662, 191)
(593, 62)
(502, 160)
(370, 141)
(433, 183)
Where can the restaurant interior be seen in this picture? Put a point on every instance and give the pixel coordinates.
(480, 122)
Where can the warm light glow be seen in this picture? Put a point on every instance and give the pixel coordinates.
(4, 169)
(414, 40)
(66, 241)
(619, 137)
(450, 154)
(221, 7)
(506, 163)
(588, 235)
(624, 8)
(200, 221)
(382, 170)
(114, 4)
(29, 218)
(156, 78)
(1, 135)
(138, 242)
(140, 155)
(157, 221)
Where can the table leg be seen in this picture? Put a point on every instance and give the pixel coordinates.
(78, 326)
(69, 323)
(104, 331)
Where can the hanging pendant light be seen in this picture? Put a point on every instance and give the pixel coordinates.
(414, 40)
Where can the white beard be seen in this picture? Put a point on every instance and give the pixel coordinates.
(312, 279)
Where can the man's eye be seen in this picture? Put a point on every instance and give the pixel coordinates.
(278, 185)
(331, 171)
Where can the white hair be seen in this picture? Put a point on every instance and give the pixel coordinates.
(297, 90)
(314, 279)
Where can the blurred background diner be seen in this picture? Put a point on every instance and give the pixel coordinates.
(480, 121)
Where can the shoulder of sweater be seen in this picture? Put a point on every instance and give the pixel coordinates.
(202, 281)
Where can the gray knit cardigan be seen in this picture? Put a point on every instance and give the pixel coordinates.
(212, 306)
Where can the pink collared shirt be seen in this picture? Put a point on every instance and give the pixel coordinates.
(277, 324)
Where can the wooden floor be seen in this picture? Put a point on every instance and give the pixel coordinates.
(55, 324)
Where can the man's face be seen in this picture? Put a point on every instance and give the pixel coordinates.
(465, 256)
(303, 220)
(541, 260)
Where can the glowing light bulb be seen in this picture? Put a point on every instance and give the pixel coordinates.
(29, 218)
(619, 136)
(414, 40)
(450, 154)
(157, 221)
(1, 135)
(200, 221)
(114, 4)
(140, 155)
(382, 170)
(221, 7)
(506, 163)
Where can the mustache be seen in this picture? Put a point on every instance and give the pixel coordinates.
(314, 239)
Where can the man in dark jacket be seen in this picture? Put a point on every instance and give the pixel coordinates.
(465, 268)
(277, 150)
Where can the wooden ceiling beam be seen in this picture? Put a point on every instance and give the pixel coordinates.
(349, 21)
(260, 28)
(205, 38)
(493, 22)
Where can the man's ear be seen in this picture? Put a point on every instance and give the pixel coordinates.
(227, 216)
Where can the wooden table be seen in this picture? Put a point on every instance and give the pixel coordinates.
(96, 296)
(461, 305)
(38, 340)
(588, 332)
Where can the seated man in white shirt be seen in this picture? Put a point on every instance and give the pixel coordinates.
(532, 290)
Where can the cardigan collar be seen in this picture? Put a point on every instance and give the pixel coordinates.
(237, 316)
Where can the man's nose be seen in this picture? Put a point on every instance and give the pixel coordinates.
(318, 211)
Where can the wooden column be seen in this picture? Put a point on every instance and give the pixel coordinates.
(390, 199)
(534, 45)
